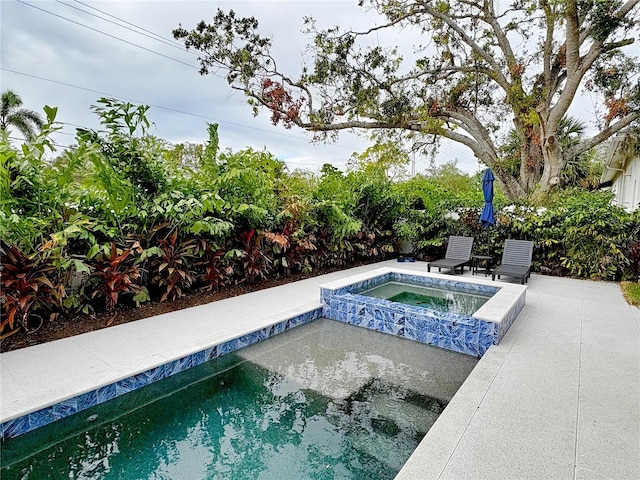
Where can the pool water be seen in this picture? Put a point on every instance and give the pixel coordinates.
(321, 401)
(462, 303)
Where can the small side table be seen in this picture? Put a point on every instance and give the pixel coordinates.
(475, 263)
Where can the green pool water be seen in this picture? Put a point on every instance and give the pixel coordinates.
(301, 405)
(429, 297)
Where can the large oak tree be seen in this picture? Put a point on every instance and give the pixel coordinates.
(486, 65)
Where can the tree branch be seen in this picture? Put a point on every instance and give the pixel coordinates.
(602, 135)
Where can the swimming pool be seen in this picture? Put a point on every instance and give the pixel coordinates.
(472, 334)
(324, 400)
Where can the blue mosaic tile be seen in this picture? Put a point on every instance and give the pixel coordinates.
(65, 408)
(177, 366)
(15, 427)
(211, 354)
(198, 358)
(468, 321)
(410, 330)
(106, 393)
(459, 345)
(355, 308)
(471, 337)
(40, 418)
(451, 331)
(226, 347)
(424, 336)
(353, 318)
(458, 332)
(145, 378)
(87, 400)
(399, 317)
(325, 296)
(367, 322)
(338, 304)
(431, 326)
(387, 326)
(485, 342)
(488, 328)
(26, 423)
(301, 319)
(444, 342)
(446, 329)
(277, 328)
(125, 385)
(246, 340)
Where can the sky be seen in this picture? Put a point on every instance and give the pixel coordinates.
(70, 53)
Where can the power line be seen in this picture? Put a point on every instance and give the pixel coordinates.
(108, 35)
(160, 39)
(446, 147)
(153, 36)
(166, 40)
(197, 115)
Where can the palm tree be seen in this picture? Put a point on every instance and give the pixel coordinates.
(11, 115)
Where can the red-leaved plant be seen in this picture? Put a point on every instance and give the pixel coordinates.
(255, 264)
(216, 271)
(172, 269)
(25, 289)
(116, 273)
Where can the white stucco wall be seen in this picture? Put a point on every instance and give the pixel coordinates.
(626, 185)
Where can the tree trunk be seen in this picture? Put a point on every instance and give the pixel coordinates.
(512, 189)
(554, 164)
(530, 165)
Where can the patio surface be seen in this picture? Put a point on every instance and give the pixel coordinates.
(559, 398)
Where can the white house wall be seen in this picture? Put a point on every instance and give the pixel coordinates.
(626, 185)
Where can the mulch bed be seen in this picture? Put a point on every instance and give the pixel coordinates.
(70, 325)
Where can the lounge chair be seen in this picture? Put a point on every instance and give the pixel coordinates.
(457, 256)
(516, 260)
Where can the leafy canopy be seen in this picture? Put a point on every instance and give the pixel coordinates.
(483, 65)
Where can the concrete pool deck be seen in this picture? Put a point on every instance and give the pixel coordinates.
(558, 398)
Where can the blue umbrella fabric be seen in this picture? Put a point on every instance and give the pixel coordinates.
(487, 218)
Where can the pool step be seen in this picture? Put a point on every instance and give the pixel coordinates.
(376, 445)
(405, 415)
(388, 414)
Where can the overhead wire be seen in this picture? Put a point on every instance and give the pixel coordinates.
(156, 37)
(166, 40)
(140, 30)
(108, 34)
(161, 106)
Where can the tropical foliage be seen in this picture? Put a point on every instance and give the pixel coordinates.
(123, 218)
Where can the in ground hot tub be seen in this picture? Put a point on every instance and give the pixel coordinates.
(346, 300)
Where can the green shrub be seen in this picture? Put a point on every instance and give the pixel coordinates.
(579, 233)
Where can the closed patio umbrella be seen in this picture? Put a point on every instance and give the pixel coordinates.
(487, 218)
